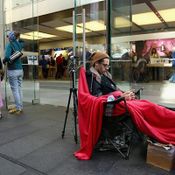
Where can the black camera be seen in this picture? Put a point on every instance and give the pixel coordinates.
(73, 65)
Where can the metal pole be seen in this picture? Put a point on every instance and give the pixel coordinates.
(108, 26)
(74, 32)
(2, 45)
(84, 38)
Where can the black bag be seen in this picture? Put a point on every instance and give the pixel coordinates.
(17, 54)
(1, 71)
(1, 75)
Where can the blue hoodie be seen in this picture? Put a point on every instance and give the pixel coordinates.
(13, 43)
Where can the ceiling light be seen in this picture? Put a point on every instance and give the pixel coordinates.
(69, 28)
(145, 18)
(168, 14)
(94, 25)
(89, 27)
(120, 22)
(35, 35)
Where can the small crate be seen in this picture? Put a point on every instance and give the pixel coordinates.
(161, 156)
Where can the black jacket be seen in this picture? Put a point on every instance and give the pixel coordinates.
(105, 87)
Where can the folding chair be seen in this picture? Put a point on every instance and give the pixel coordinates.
(118, 132)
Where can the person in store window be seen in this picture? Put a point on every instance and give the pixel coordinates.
(59, 63)
(154, 53)
(125, 66)
(172, 78)
(44, 62)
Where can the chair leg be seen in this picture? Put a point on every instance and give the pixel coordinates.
(118, 149)
(122, 141)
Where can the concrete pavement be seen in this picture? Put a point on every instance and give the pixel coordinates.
(31, 144)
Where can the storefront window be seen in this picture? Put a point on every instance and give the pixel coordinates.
(138, 35)
(90, 15)
(142, 43)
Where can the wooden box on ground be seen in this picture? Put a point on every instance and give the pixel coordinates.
(161, 156)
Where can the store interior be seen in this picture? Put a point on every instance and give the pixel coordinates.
(142, 24)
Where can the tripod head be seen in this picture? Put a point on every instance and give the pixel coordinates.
(73, 67)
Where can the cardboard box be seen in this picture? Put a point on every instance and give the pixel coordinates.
(161, 156)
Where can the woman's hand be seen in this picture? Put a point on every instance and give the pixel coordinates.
(129, 95)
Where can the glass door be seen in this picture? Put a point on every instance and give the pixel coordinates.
(89, 28)
(122, 52)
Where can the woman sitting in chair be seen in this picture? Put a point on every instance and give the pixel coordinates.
(151, 119)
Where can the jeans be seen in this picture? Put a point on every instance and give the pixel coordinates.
(15, 80)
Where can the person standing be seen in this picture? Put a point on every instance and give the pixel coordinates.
(14, 71)
(172, 78)
(45, 66)
(59, 63)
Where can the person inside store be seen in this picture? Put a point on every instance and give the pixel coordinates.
(154, 53)
(130, 55)
(125, 66)
(52, 66)
(65, 65)
(59, 63)
(52, 61)
(14, 70)
(172, 78)
(44, 62)
(153, 120)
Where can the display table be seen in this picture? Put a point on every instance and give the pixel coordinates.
(159, 65)
(158, 70)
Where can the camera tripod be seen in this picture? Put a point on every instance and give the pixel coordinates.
(73, 91)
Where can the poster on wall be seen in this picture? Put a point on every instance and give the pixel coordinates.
(32, 60)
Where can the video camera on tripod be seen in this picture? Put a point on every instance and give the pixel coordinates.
(73, 65)
(73, 90)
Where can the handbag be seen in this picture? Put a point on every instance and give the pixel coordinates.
(1, 74)
(1, 71)
(17, 54)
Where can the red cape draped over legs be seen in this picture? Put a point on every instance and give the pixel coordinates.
(151, 119)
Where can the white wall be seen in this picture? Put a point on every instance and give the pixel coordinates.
(140, 37)
(41, 7)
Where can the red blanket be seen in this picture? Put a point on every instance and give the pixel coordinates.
(151, 119)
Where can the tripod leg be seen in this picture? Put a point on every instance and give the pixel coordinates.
(75, 113)
(67, 111)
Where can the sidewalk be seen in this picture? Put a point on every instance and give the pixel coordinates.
(31, 144)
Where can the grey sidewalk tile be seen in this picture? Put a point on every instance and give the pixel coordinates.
(9, 168)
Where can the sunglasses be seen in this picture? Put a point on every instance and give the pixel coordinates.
(106, 66)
